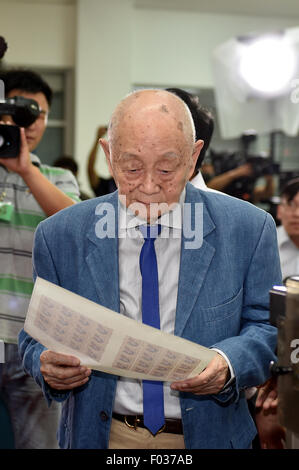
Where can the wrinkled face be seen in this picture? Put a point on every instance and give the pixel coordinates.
(35, 132)
(151, 161)
(288, 214)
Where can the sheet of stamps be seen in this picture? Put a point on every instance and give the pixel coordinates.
(108, 341)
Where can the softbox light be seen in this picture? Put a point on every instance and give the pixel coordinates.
(254, 79)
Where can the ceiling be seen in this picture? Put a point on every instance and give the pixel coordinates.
(266, 8)
(52, 2)
(269, 8)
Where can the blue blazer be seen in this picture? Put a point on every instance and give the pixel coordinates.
(223, 302)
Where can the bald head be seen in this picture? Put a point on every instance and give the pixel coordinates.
(155, 107)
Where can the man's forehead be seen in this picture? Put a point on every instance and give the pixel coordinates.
(152, 115)
(160, 102)
(169, 156)
(153, 101)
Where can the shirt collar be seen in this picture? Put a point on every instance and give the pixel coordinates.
(284, 239)
(173, 218)
(198, 181)
(282, 236)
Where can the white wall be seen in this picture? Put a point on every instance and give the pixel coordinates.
(175, 47)
(38, 35)
(103, 70)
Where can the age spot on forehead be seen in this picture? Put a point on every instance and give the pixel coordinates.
(180, 126)
(164, 109)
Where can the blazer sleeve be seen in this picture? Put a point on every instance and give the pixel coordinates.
(251, 352)
(29, 349)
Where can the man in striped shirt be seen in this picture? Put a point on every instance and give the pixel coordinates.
(29, 192)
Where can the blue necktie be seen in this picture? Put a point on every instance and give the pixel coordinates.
(153, 399)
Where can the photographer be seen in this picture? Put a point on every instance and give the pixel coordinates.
(29, 192)
(259, 193)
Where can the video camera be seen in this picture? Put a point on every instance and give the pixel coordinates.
(242, 187)
(24, 112)
(260, 163)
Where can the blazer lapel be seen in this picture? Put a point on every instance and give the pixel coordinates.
(194, 265)
(102, 257)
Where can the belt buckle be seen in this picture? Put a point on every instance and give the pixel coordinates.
(161, 429)
(137, 421)
(132, 426)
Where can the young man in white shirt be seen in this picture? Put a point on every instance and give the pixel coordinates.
(288, 232)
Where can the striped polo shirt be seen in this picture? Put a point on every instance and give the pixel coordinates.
(16, 240)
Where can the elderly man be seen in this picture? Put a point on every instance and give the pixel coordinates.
(213, 292)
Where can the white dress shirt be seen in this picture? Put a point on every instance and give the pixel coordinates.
(129, 397)
(199, 182)
(288, 252)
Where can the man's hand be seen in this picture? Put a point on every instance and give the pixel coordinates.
(270, 432)
(210, 381)
(22, 163)
(63, 372)
(267, 397)
(101, 132)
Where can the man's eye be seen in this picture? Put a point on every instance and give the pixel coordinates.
(133, 170)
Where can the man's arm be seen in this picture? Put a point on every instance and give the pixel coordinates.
(55, 373)
(271, 434)
(92, 175)
(220, 182)
(264, 192)
(50, 198)
(252, 350)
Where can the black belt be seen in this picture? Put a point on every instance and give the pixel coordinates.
(173, 426)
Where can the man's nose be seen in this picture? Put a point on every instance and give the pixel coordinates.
(296, 210)
(149, 184)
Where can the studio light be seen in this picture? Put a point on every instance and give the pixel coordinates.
(268, 65)
(254, 75)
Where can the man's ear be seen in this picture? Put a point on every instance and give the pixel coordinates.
(195, 154)
(105, 146)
